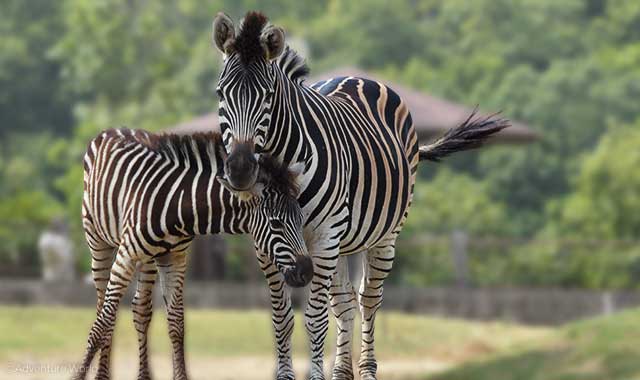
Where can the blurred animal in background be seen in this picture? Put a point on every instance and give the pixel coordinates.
(56, 253)
(146, 197)
(361, 151)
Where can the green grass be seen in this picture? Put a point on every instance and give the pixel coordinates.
(606, 348)
(62, 332)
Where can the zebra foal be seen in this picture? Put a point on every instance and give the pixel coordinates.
(145, 198)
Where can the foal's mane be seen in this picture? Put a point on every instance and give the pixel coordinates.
(278, 176)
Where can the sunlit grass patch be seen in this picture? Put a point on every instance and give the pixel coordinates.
(596, 349)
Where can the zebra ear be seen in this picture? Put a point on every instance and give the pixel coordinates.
(296, 171)
(224, 32)
(272, 41)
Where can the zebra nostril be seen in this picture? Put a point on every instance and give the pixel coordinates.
(241, 168)
(304, 266)
(301, 274)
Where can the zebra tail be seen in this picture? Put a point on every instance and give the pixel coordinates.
(471, 134)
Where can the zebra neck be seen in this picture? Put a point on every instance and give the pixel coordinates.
(288, 138)
(229, 214)
(203, 206)
(211, 209)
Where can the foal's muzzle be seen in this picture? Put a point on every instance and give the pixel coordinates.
(301, 273)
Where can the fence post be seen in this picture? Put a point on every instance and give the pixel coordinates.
(608, 303)
(459, 246)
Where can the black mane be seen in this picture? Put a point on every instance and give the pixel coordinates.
(247, 43)
(293, 65)
(171, 144)
(248, 46)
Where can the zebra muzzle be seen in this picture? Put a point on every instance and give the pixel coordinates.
(301, 274)
(241, 167)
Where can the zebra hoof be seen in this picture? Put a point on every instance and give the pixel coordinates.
(285, 372)
(316, 376)
(368, 369)
(144, 376)
(342, 371)
(102, 375)
(180, 376)
(79, 375)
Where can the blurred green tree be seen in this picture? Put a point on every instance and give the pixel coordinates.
(606, 199)
(33, 97)
(569, 69)
(449, 202)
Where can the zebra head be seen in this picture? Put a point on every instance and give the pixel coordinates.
(245, 91)
(276, 219)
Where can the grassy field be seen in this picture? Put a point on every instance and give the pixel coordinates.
(232, 341)
(238, 345)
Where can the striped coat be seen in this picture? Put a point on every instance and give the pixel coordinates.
(146, 197)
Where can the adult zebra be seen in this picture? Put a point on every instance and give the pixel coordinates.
(361, 152)
(146, 196)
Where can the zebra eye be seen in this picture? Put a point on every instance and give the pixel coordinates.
(219, 93)
(276, 224)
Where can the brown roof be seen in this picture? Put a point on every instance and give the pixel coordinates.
(432, 116)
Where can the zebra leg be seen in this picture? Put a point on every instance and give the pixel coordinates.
(101, 331)
(377, 265)
(102, 256)
(142, 308)
(172, 269)
(316, 315)
(281, 316)
(344, 307)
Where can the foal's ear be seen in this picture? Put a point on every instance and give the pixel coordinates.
(272, 41)
(297, 171)
(224, 32)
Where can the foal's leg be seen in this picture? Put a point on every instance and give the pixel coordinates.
(281, 316)
(377, 265)
(344, 307)
(102, 329)
(142, 308)
(316, 315)
(172, 269)
(102, 255)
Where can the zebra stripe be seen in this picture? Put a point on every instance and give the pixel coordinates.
(145, 198)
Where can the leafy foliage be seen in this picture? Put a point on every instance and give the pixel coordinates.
(32, 96)
(568, 69)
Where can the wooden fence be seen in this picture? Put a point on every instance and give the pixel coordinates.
(531, 306)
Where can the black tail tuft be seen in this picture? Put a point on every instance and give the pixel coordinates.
(470, 134)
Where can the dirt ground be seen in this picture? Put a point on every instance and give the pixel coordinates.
(231, 368)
